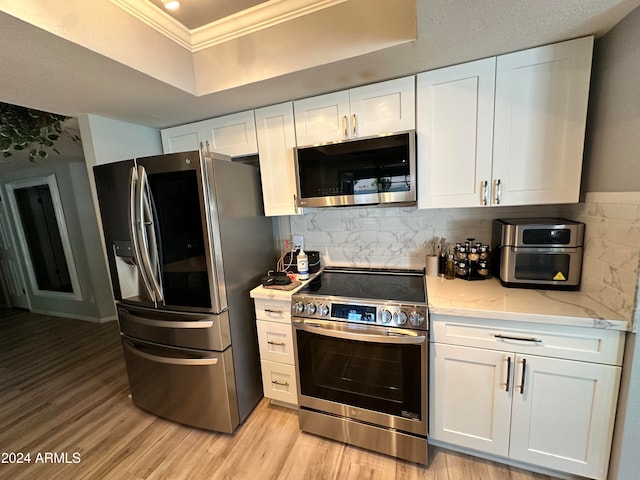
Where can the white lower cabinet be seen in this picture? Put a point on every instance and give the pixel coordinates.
(533, 408)
(277, 358)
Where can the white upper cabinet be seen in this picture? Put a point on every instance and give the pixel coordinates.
(233, 135)
(276, 140)
(455, 131)
(504, 131)
(383, 107)
(540, 117)
(183, 138)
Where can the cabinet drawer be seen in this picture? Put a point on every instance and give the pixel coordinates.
(276, 342)
(574, 343)
(273, 310)
(279, 382)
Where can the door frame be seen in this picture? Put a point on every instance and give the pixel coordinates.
(51, 182)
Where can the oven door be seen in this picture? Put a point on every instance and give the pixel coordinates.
(371, 374)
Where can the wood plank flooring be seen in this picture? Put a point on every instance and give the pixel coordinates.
(63, 390)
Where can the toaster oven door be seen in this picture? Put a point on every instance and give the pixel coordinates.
(541, 267)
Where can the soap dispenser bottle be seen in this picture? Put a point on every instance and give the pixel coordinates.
(303, 265)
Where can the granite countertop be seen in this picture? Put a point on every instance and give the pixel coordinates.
(489, 299)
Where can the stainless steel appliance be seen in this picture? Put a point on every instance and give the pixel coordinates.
(186, 240)
(361, 346)
(538, 252)
(372, 170)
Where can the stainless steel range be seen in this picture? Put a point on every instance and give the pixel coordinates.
(361, 345)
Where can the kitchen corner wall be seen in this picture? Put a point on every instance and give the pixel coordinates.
(394, 237)
(612, 249)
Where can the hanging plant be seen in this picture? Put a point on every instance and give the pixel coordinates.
(25, 129)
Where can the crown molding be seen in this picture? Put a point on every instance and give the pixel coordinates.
(265, 15)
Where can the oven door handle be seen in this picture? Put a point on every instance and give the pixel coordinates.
(383, 335)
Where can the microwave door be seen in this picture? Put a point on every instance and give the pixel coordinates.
(179, 254)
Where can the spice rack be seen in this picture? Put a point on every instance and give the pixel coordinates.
(472, 260)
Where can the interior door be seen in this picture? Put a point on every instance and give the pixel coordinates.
(10, 274)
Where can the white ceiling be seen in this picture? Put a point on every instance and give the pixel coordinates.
(93, 57)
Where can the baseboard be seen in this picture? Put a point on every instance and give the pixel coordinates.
(505, 461)
(75, 317)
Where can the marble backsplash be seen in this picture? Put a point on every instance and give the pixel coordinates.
(611, 263)
(394, 237)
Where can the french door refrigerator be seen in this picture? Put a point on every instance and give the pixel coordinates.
(186, 240)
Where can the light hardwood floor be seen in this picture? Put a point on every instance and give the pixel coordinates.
(63, 390)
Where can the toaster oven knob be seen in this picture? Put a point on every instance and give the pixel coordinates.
(323, 310)
(401, 317)
(298, 308)
(416, 319)
(385, 316)
(311, 308)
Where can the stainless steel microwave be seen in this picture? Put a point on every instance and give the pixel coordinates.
(538, 252)
(373, 170)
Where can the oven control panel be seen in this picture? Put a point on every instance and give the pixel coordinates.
(386, 314)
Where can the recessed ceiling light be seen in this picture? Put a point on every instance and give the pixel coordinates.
(171, 4)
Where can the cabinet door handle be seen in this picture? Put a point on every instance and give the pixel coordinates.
(524, 372)
(484, 192)
(508, 374)
(345, 128)
(353, 125)
(279, 344)
(519, 339)
(269, 310)
(282, 384)
(497, 199)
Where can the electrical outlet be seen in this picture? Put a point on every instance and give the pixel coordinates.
(298, 242)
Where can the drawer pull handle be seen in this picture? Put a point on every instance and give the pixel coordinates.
(279, 344)
(268, 310)
(524, 370)
(282, 384)
(508, 373)
(520, 339)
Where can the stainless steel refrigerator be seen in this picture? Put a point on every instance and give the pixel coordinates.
(186, 240)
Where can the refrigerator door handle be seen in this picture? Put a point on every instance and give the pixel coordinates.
(133, 230)
(124, 314)
(146, 234)
(169, 360)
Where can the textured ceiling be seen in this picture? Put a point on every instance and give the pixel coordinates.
(91, 57)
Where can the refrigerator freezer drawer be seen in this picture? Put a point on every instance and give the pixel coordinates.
(192, 387)
(178, 329)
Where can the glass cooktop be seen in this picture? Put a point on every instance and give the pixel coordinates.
(372, 284)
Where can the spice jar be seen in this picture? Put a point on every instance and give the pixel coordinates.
(483, 268)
